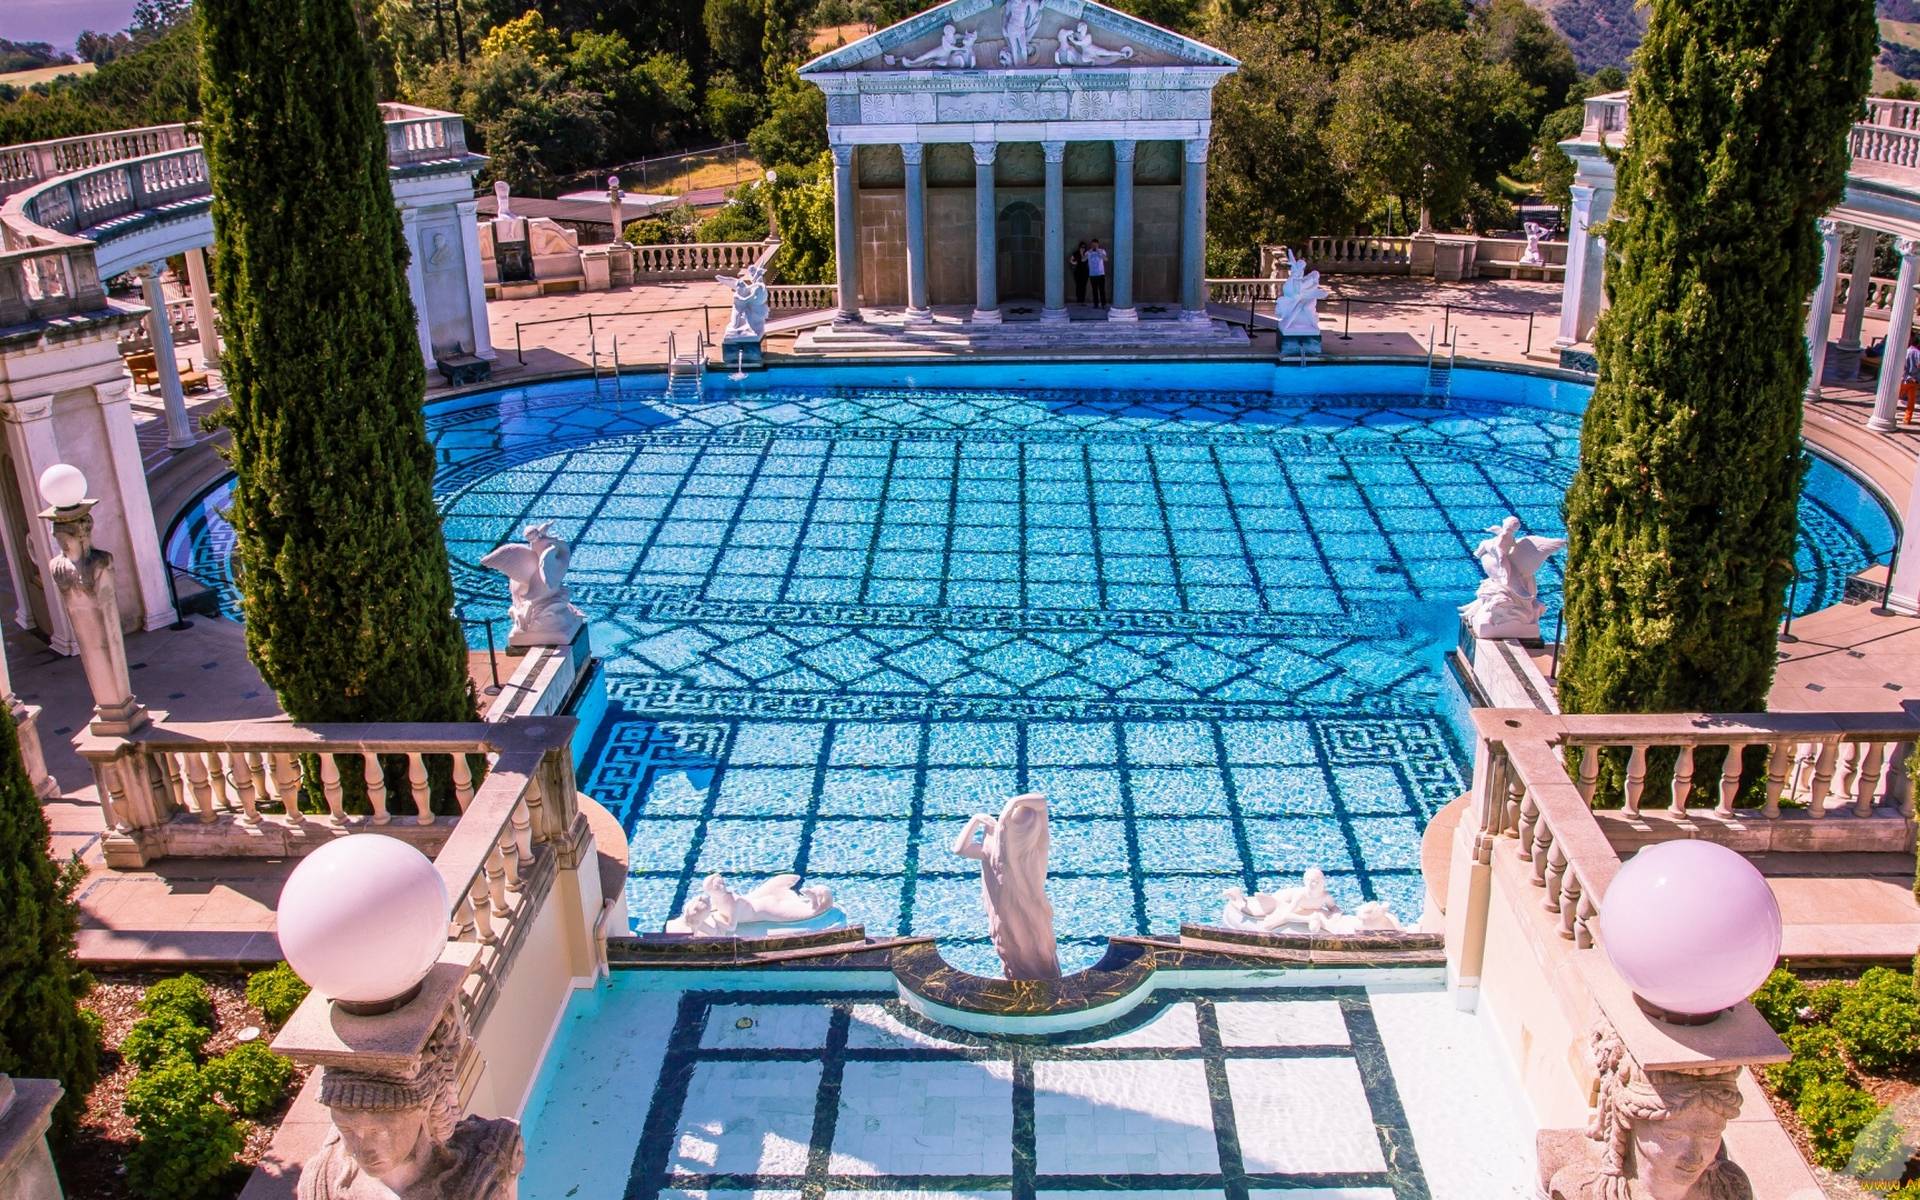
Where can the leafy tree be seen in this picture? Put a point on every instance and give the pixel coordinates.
(783, 34)
(803, 202)
(153, 84)
(742, 219)
(346, 590)
(734, 29)
(43, 1032)
(795, 132)
(1682, 516)
(731, 111)
(528, 33)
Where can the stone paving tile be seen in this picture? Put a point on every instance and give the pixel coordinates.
(1096, 1118)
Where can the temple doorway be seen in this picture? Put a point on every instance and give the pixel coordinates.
(1021, 235)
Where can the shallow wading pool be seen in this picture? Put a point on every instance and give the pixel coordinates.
(1202, 606)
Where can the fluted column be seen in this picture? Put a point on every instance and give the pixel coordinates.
(417, 285)
(203, 307)
(1820, 311)
(1122, 308)
(1581, 289)
(913, 154)
(1054, 310)
(165, 360)
(1859, 288)
(846, 235)
(1893, 363)
(1193, 233)
(986, 251)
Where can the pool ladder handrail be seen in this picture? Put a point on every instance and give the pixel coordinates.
(689, 367)
(1439, 373)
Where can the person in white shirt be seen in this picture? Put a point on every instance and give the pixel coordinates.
(1097, 272)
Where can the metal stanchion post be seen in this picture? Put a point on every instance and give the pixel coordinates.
(1346, 330)
(493, 661)
(1529, 350)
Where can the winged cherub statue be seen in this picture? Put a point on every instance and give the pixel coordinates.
(536, 571)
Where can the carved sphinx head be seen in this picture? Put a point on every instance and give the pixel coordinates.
(1662, 1130)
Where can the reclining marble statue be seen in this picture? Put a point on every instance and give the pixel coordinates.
(1012, 851)
(1508, 602)
(536, 570)
(955, 51)
(1309, 908)
(718, 911)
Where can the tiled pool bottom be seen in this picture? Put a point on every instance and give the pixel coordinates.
(1333, 1093)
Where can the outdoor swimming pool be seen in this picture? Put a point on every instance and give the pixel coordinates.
(841, 613)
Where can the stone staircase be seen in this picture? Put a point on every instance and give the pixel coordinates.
(891, 337)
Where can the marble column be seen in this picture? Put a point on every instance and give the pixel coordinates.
(1122, 308)
(1893, 364)
(986, 249)
(417, 284)
(846, 235)
(1820, 311)
(468, 212)
(1193, 233)
(1859, 291)
(179, 425)
(1582, 289)
(913, 154)
(1054, 310)
(203, 307)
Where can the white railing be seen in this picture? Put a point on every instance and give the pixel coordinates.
(1885, 147)
(24, 165)
(1243, 291)
(694, 259)
(1894, 114)
(1879, 294)
(1360, 255)
(802, 297)
(1888, 137)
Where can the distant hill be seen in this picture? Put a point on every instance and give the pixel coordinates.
(28, 56)
(1603, 33)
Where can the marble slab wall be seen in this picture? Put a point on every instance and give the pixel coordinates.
(883, 247)
(950, 245)
(1156, 245)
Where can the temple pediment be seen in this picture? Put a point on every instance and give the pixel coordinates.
(1051, 36)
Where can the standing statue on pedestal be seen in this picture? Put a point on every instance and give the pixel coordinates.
(1298, 309)
(1508, 602)
(536, 570)
(1077, 49)
(1012, 851)
(401, 1136)
(1533, 256)
(1019, 21)
(83, 573)
(749, 320)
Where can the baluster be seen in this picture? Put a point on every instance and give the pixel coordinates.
(494, 870)
(376, 778)
(1682, 778)
(330, 788)
(520, 821)
(1542, 847)
(202, 789)
(1527, 825)
(462, 781)
(1899, 783)
(286, 786)
(1636, 781)
(482, 906)
(1822, 779)
(1730, 772)
(243, 784)
(417, 784)
(509, 856)
(1570, 893)
(1846, 770)
(1589, 772)
(536, 808)
(1510, 807)
(113, 795)
(217, 780)
(1554, 877)
(1779, 758)
(464, 925)
(1583, 923)
(1867, 777)
(170, 770)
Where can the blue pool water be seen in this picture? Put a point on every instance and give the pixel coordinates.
(844, 612)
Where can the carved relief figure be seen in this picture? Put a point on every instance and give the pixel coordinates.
(1077, 49)
(1012, 852)
(1019, 22)
(954, 51)
(1654, 1135)
(401, 1137)
(439, 250)
(536, 571)
(718, 911)
(750, 299)
(1508, 602)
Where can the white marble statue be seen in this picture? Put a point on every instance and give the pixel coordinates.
(1533, 256)
(1289, 909)
(1077, 49)
(718, 911)
(1508, 602)
(1012, 851)
(501, 194)
(1019, 22)
(536, 571)
(750, 300)
(1298, 308)
(954, 51)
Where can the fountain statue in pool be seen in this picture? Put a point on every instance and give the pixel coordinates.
(1309, 908)
(1508, 602)
(536, 570)
(718, 911)
(1012, 852)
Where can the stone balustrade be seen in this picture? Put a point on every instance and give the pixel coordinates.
(801, 297)
(1888, 139)
(1894, 114)
(24, 165)
(234, 788)
(1884, 147)
(1879, 294)
(1360, 255)
(1243, 291)
(694, 260)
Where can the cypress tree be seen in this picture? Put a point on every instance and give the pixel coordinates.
(1682, 517)
(43, 1033)
(342, 567)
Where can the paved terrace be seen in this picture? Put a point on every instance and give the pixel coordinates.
(1848, 658)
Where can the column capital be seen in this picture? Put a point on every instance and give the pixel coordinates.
(1197, 150)
(842, 155)
(466, 208)
(913, 153)
(984, 152)
(1055, 151)
(1828, 227)
(1123, 149)
(1908, 247)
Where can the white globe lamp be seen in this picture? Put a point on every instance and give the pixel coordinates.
(1692, 927)
(363, 920)
(63, 486)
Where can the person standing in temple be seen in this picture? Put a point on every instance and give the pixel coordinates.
(1097, 272)
(1078, 261)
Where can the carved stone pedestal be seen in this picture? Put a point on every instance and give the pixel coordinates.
(26, 1166)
